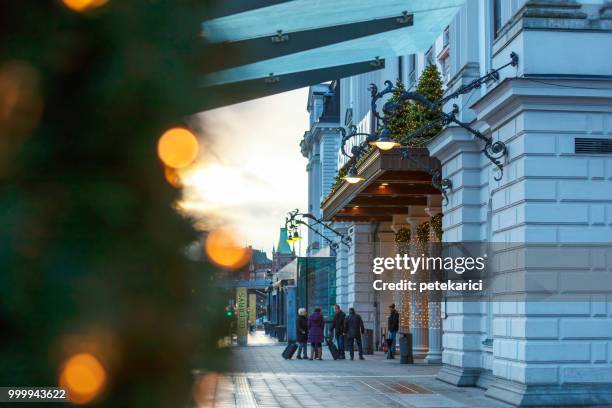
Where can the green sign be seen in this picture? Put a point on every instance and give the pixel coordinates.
(241, 314)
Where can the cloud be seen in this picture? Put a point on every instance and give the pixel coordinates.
(250, 172)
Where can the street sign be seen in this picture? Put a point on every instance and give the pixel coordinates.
(241, 315)
(252, 308)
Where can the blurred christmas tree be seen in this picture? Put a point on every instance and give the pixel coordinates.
(91, 250)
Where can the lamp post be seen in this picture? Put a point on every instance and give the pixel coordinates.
(384, 140)
(292, 221)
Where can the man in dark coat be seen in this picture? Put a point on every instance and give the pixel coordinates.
(338, 329)
(392, 329)
(353, 327)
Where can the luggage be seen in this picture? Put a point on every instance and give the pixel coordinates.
(289, 351)
(332, 348)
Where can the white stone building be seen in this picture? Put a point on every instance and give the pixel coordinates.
(554, 113)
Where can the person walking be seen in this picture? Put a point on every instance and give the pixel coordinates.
(315, 334)
(302, 334)
(392, 329)
(353, 327)
(338, 329)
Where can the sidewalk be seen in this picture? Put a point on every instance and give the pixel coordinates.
(262, 378)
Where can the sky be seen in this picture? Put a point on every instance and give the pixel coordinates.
(250, 172)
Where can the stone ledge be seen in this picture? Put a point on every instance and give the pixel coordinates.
(549, 395)
(459, 376)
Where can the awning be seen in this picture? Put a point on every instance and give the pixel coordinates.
(291, 44)
(287, 272)
(392, 184)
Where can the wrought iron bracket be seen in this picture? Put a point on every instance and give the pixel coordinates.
(493, 150)
(292, 221)
(443, 185)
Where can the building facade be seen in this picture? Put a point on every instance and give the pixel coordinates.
(554, 113)
(320, 146)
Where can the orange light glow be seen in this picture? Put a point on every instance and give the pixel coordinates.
(223, 249)
(205, 387)
(84, 377)
(82, 5)
(177, 148)
(172, 177)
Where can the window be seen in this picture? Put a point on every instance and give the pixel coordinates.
(411, 70)
(429, 56)
(445, 63)
(446, 37)
(444, 56)
(497, 17)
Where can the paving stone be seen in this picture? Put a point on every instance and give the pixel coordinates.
(262, 378)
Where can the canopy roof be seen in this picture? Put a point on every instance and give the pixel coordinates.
(287, 272)
(284, 45)
(392, 184)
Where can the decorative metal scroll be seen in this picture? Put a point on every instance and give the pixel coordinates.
(493, 150)
(292, 221)
(443, 185)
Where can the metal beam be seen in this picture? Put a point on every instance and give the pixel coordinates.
(227, 94)
(228, 7)
(284, 43)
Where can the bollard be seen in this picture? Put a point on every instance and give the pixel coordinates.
(281, 333)
(406, 349)
(368, 341)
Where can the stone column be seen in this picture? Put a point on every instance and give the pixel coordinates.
(359, 286)
(342, 267)
(419, 313)
(461, 159)
(387, 248)
(434, 354)
(403, 298)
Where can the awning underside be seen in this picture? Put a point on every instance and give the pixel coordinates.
(306, 36)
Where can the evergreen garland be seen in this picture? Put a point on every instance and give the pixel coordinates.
(338, 179)
(436, 225)
(423, 232)
(402, 236)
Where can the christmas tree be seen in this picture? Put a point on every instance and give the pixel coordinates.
(92, 263)
(430, 86)
(398, 121)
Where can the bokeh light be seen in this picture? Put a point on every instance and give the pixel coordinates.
(84, 377)
(20, 100)
(173, 177)
(177, 148)
(82, 5)
(205, 387)
(223, 249)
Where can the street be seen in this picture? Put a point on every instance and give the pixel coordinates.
(261, 378)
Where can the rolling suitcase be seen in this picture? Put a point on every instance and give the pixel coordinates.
(332, 348)
(289, 351)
